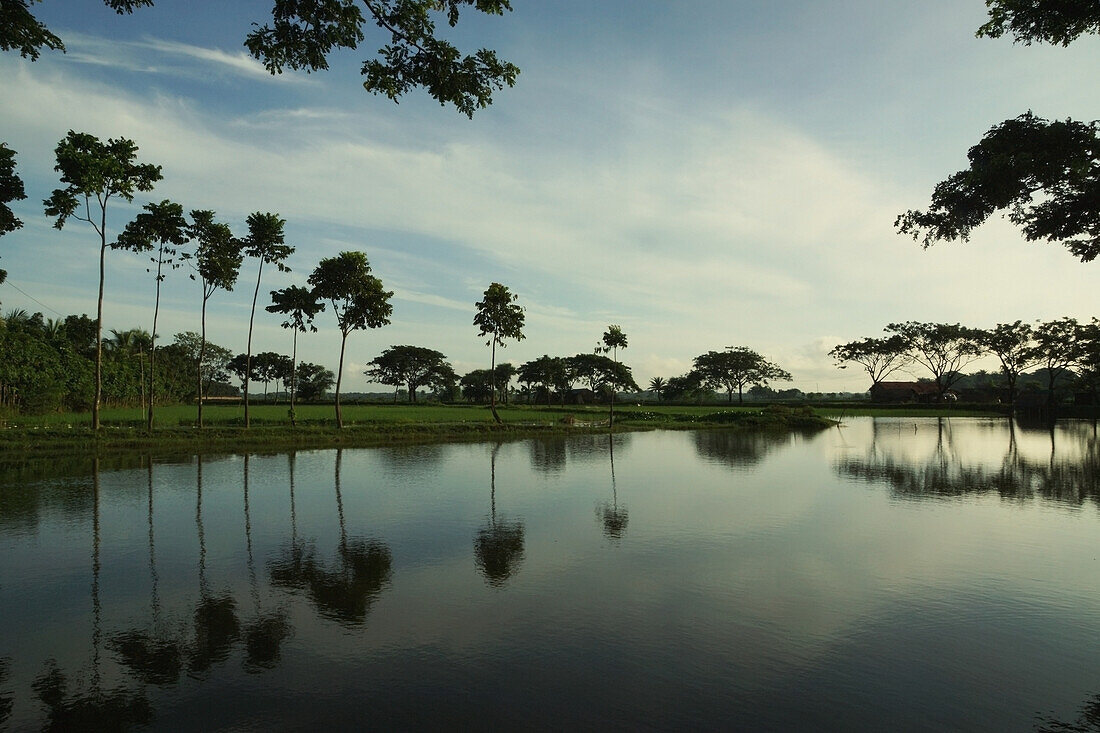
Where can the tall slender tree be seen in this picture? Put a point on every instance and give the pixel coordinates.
(357, 297)
(265, 242)
(499, 318)
(613, 340)
(95, 172)
(300, 306)
(218, 259)
(1014, 347)
(161, 227)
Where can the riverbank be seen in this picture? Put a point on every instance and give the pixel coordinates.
(376, 425)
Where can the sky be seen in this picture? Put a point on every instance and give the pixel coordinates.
(703, 173)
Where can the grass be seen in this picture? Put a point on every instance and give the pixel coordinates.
(366, 425)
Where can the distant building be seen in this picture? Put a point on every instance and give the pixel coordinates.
(906, 392)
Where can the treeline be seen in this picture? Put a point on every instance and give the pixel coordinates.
(49, 364)
(1064, 352)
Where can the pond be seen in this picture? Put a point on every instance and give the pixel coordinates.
(891, 574)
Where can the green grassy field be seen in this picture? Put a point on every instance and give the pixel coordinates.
(368, 424)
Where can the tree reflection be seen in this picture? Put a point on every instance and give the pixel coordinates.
(80, 709)
(264, 632)
(613, 517)
(1072, 479)
(215, 619)
(498, 546)
(346, 592)
(548, 455)
(153, 656)
(1088, 720)
(6, 701)
(737, 448)
(88, 706)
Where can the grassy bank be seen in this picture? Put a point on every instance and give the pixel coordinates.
(367, 425)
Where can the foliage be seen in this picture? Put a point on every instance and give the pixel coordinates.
(413, 366)
(1058, 348)
(1013, 346)
(96, 170)
(11, 189)
(313, 381)
(303, 33)
(499, 318)
(299, 305)
(546, 373)
(1045, 174)
(1053, 21)
(879, 357)
(601, 373)
(736, 367)
(657, 386)
(477, 385)
(941, 348)
(21, 31)
(357, 297)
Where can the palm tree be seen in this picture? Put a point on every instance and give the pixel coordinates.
(657, 385)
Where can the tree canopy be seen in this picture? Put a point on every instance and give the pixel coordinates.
(736, 368)
(413, 366)
(11, 189)
(1044, 174)
(1050, 21)
(942, 348)
(879, 357)
(498, 317)
(302, 33)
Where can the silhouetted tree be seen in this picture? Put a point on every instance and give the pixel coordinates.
(500, 318)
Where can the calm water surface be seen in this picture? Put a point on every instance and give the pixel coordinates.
(894, 574)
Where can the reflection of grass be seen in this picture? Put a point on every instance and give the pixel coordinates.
(375, 424)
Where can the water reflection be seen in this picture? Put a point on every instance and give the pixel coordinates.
(737, 448)
(343, 593)
(153, 655)
(264, 631)
(6, 698)
(613, 517)
(1087, 721)
(216, 626)
(88, 709)
(928, 460)
(498, 546)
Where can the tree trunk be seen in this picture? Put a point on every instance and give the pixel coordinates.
(248, 352)
(293, 375)
(493, 382)
(153, 350)
(740, 394)
(99, 327)
(202, 349)
(339, 378)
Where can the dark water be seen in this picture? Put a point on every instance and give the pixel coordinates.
(895, 574)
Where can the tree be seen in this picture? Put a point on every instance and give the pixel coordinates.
(941, 348)
(358, 300)
(97, 172)
(1057, 349)
(212, 361)
(302, 34)
(690, 386)
(879, 357)
(11, 189)
(546, 372)
(477, 385)
(1053, 21)
(613, 340)
(267, 366)
(21, 31)
(300, 306)
(500, 318)
(600, 373)
(503, 374)
(736, 367)
(131, 343)
(313, 381)
(265, 242)
(412, 366)
(657, 386)
(1014, 347)
(1043, 173)
(218, 259)
(164, 225)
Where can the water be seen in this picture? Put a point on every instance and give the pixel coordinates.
(895, 574)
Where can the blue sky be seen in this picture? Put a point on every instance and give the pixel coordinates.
(704, 174)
